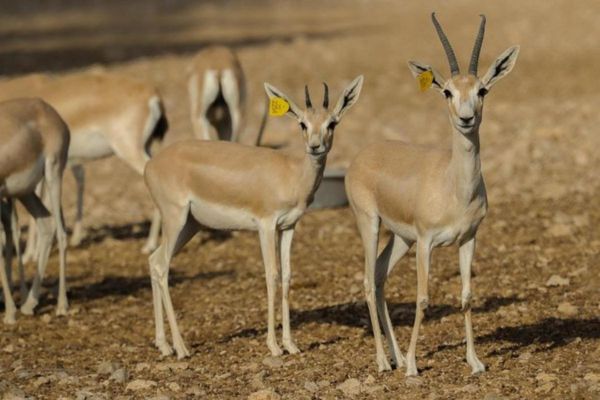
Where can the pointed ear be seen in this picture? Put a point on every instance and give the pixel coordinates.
(418, 68)
(348, 97)
(501, 67)
(294, 111)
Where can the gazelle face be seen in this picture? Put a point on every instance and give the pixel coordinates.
(464, 96)
(465, 93)
(317, 123)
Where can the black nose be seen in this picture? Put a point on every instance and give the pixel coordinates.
(466, 120)
(314, 146)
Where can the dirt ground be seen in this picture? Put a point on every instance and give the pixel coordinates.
(538, 334)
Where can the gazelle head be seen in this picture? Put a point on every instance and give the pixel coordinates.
(465, 92)
(318, 123)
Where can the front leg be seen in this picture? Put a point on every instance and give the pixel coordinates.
(466, 252)
(268, 247)
(285, 244)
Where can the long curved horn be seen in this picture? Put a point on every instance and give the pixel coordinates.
(454, 69)
(477, 47)
(325, 96)
(307, 97)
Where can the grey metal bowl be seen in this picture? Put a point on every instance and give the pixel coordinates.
(331, 193)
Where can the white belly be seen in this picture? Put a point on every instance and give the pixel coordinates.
(25, 181)
(217, 216)
(88, 145)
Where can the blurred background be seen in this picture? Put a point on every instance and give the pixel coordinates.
(539, 144)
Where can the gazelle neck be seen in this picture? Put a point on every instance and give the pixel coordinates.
(311, 174)
(465, 164)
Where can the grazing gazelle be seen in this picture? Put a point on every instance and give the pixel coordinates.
(217, 91)
(224, 185)
(107, 114)
(34, 142)
(431, 196)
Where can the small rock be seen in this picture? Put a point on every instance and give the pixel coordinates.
(272, 362)
(14, 394)
(323, 383)
(567, 309)
(311, 386)
(107, 367)
(42, 380)
(558, 230)
(9, 348)
(265, 394)
(372, 389)
(545, 388)
(257, 381)
(141, 366)
(120, 376)
(544, 377)
(195, 391)
(370, 380)
(592, 377)
(414, 381)
(253, 367)
(174, 386)
(46, 318)
(350, 387)
(140, 384)
(556, 280)
(524, 357)
(470, 388)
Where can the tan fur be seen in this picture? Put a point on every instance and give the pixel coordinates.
(34, 141)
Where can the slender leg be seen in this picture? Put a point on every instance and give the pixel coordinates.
(423, 261)
(231, 94)
(78, 231)
(15, 229)
(9, 305)
(177, 232)
(285, 244)
(268, 247)
(391, 254)
(369, 232)
(31, 247)
(154, 233)
(466, 252)
(54, 172)
(45, 234)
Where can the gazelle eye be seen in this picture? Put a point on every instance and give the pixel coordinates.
(331, 125)
(482, 92)
(302, 126)
(448, 94)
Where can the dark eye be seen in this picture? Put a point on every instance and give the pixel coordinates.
(302, 126)
(331, 125)
(448, 94)
(482, 92)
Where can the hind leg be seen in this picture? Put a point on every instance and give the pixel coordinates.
(31, 246)
(391, 254)
(9, 305)
(178, 229)
(152, 241)
(78, 232)
(54, 172)
(45, 233)
(231, 94)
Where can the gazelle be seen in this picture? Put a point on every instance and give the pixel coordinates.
(224, 185)
(217, 89)
(34, 142)
(107, 114)
(431, 196)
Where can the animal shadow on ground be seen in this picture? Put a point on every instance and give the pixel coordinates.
(356, 314)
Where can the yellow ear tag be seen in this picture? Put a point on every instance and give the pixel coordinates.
(278, 106)
(425, 80)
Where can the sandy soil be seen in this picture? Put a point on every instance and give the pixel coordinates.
(540, 158)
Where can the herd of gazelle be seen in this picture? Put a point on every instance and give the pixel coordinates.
(426, 196)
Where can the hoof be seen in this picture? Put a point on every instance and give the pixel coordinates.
(290, 347)
(62, 311)
(164, 349)
(182, 351)
(9, 318)
(383, 364)
(411, 370)
(28, 307)
(275, 349)
(477, 367)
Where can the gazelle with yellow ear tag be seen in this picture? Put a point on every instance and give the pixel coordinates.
(426, 195)
(225, 185)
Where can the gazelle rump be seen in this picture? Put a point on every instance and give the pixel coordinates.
(34, 142)
(216, 87)
(107, 114)
(425, 195)
(225, 185)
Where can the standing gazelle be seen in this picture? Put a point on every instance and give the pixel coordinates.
(434, 197)
(224, 185)
(34, 142)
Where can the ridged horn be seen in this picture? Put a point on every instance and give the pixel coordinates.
(477, 47)
(325, 96)
(454, 69)
(307, 97)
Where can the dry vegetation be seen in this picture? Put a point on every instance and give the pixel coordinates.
(538, 334)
